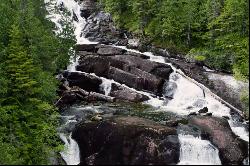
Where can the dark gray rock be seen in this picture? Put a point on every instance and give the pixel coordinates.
(85, 81)
(86, 47)
(127, 140)
(142, 82)
(110, 51)
(209, 114)
(125, 94)
(203, 110)
(232, 149)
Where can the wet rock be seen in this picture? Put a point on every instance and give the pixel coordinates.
(94, 64)
(232, 149)
(125, 94)
(209, 114)
(175, 122)
(158, 69)
(68, 98)
(122, 42)
(126, 140)
(162, 71)
(87, 8)
(192, 114)
(100, 28)
(84, 81)
(86, 47)
(137, 55)
(203, 110)
(110, 51)
(139, 81)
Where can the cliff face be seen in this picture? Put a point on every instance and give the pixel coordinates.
(87, 7)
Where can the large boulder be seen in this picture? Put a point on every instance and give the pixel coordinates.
(232, 149)
(158, 69)
(86, 47)
(126, 140)
(88, 7)
(125, 94)
(83, 80)
(98, 64)
(139, 81)
(105, 50)
(101, 28)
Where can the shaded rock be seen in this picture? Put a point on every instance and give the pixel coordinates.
(142, 82)
(68, 98)
(175, 122)
(98, 64)
(126, 140)
(232, 149)
(88, 7)
(158, 69)
(162, 71)
(83, 54)
(84, 81)
(209, 114)
(137, 55)
(100, 28)
(122, 42)
(86, 47)
(94, 64)
(192, 114)
(203, 110)
(122, 93)
(110, 51)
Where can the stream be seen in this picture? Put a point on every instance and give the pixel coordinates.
(187, 97)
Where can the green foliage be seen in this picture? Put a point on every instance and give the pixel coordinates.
(30, 54)
(200, 58)
(212, 30)
(245, 101)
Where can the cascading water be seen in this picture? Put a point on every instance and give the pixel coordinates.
(71, 154)
(195, 151)
(187, 97)
(106, 86)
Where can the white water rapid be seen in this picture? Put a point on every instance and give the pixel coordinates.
(195, 151)
(188, 97)
(71, 153)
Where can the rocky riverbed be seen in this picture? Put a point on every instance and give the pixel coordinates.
(123, 106)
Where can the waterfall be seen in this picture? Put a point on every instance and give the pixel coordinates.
(188, 97)
(71, 153)
(106, 86)
(195, 151)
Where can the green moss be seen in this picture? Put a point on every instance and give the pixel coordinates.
(245, 102)
(200, 58)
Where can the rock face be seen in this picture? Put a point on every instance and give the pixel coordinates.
(84, 81)
(126, 140)
(124, 94)
(232, 149)
(133, 70)
(87, 7)
(100, 28)
(83, 86)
